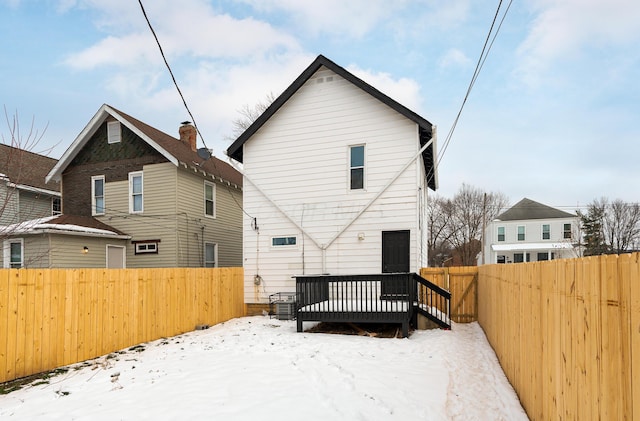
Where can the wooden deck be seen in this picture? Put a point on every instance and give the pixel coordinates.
(379, 298)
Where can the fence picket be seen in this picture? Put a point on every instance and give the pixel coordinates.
(56, 317)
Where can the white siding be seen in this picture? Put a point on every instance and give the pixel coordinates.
(300, 159)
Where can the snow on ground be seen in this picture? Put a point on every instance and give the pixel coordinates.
(260, 368)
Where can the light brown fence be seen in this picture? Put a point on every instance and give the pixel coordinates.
(567, 334)
(54, 317)
(462, 284)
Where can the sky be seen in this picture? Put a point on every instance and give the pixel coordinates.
(552, 115)
(261, 368)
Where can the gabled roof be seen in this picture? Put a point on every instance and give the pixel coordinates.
(529, 209)
(235, 151)
(26, 169)
(64, 224)
(175, 151)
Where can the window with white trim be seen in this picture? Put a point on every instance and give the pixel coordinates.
(546, 232)
(210, 255)
(284, 241)
(566, 231)
(97, 195)
(114, 132)
(520, 232)
(501, 235)
(135, 192)
(356, 167)
(13, 252)
(144, 247)
(209, 199)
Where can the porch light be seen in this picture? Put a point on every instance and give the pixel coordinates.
(85, 250)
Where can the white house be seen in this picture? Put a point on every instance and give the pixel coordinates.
(336, 175)
(529, 232)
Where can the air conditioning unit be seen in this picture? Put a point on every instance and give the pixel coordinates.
(285, 310)
(282, 305)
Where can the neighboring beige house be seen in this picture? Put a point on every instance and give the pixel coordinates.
(530, 232)
(24, 195)
(144, 198)
(336, 179)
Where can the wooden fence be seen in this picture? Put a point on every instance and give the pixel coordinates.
(567, 334)
(54, 317)
(462, 284)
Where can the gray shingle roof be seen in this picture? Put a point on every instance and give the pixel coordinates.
(530, 209)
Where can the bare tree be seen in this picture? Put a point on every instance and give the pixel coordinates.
(439, 216)
(610, 227)
(470, 209)
(23, 193)
(249, 114)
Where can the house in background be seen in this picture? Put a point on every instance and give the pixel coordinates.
(24, 195)
(63, 241)
(336, 175)
(146, 199)
(529, 232)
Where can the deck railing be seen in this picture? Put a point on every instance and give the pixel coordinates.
(378, 298)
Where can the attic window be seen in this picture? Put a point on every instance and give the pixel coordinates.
(114, 132)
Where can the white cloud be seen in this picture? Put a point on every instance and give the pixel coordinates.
(353, 18)
(192, 30)
(564, 28)
(405, 91)
(454, 58)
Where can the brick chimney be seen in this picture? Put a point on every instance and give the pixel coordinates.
(188, 134)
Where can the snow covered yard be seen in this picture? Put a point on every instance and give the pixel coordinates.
(259, 368)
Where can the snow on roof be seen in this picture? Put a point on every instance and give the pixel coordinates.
(39, 225)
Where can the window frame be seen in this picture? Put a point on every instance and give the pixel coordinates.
(215, 255)
(504, 233)
(361, 168)
(547, 231)
(114, 132)
(7, 256)
(213, 199)
(287, 242)
(524, 233)
(94, 206)
(132, 194)
(567, 234)
(142, 247)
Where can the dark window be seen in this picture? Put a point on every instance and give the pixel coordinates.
(543, 256)
(357, 167)
(521, 233)
(283, 241)
(567, 231)
(546, 232)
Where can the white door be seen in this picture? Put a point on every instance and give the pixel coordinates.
(115, 257)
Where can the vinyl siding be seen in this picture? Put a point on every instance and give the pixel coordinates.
(300, 159)
(159, 219)
(173, 203)
(225, 229)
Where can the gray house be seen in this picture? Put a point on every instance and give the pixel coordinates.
(24, 195)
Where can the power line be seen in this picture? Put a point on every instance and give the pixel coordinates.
(184, 101)
(486, 48)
